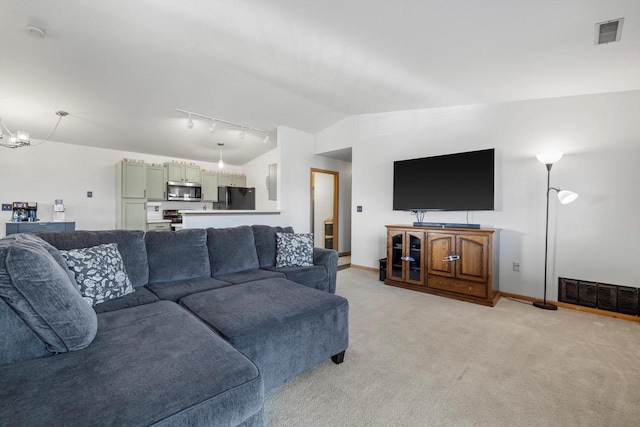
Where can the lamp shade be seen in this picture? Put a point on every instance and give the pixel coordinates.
(549, 158)
(567, 197)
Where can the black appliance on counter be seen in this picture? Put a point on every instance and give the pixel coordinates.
(237, 198)
(24, 211)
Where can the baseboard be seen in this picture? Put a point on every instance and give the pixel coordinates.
(576, 307)
(362, 267)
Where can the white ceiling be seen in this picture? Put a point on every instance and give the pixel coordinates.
(121, 68)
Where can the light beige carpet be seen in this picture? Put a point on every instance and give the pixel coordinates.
(420, 360)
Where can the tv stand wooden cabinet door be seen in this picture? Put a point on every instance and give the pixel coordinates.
(405, 256)
(459, 263)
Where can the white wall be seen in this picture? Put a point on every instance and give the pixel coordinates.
(595, 238)
(56, 170)
(257, 171)
(294, 181)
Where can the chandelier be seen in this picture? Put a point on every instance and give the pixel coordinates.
(21, 137)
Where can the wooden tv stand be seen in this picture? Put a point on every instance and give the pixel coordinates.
(452, 262)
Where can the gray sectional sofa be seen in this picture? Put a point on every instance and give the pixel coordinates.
(211, 326)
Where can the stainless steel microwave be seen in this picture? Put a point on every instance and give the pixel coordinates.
(184, 191)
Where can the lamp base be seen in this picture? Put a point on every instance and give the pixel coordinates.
(545, 305)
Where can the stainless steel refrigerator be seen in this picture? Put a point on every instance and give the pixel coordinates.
(237, 198)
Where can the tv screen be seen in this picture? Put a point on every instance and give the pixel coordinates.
(453, 182)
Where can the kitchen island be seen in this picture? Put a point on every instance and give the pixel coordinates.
(228, 218)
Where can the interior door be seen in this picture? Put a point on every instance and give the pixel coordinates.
(324, 208)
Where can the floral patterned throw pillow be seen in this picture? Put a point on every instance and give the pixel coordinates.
(294, 250)
(100, 272)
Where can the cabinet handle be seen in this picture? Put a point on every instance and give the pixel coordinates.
(407, 258)
(145, 193)
(451, 258)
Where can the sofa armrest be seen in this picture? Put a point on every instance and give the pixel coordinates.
(329, 259)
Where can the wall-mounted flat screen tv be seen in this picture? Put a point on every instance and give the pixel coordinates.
(453, 182)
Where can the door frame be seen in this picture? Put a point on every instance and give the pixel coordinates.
(336, 198)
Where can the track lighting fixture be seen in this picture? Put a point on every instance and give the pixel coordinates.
(215, 120)
(220, 162)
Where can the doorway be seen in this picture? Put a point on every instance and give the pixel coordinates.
(324, 208)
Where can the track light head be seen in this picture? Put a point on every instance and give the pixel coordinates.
(266, 138)
(190, 122)
(241, 134)
(212, 128)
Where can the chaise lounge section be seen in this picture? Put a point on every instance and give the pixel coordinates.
(211, 325)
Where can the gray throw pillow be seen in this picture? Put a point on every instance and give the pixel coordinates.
(294, 250)
(39, 290)
(100, 272)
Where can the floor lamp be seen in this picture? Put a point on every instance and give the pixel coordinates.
(566, 197)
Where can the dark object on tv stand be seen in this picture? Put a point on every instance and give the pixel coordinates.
(445, 225)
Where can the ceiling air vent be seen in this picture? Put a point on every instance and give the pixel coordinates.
(609, 31)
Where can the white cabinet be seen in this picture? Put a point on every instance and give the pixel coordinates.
(156, 182)
(133, 179)
(133, 214)
(131, 195)
(178, 172)
(229, 180)
(210, 186)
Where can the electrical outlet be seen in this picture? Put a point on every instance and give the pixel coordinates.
(89, 194)
(516, 266)
(358, 208)
(6, 206)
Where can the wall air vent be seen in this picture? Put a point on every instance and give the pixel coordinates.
(609, 31)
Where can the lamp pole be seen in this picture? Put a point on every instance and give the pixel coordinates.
(544, 304)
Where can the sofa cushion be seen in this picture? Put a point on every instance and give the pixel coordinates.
(130, 244)
(173, 291)
(294, 250)
(151, 364)
(19, 342)
(249, 276)
(177, 255)
(283, 327)
(99, 271)
(303, 275)
(231, 250)
(36, 287)
(55, 253)
(140, 296)
(265, 238)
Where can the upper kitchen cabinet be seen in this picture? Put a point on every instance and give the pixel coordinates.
(228, 180)
(156, 182)
(178, 172)
(131, 180)
(210, 182)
